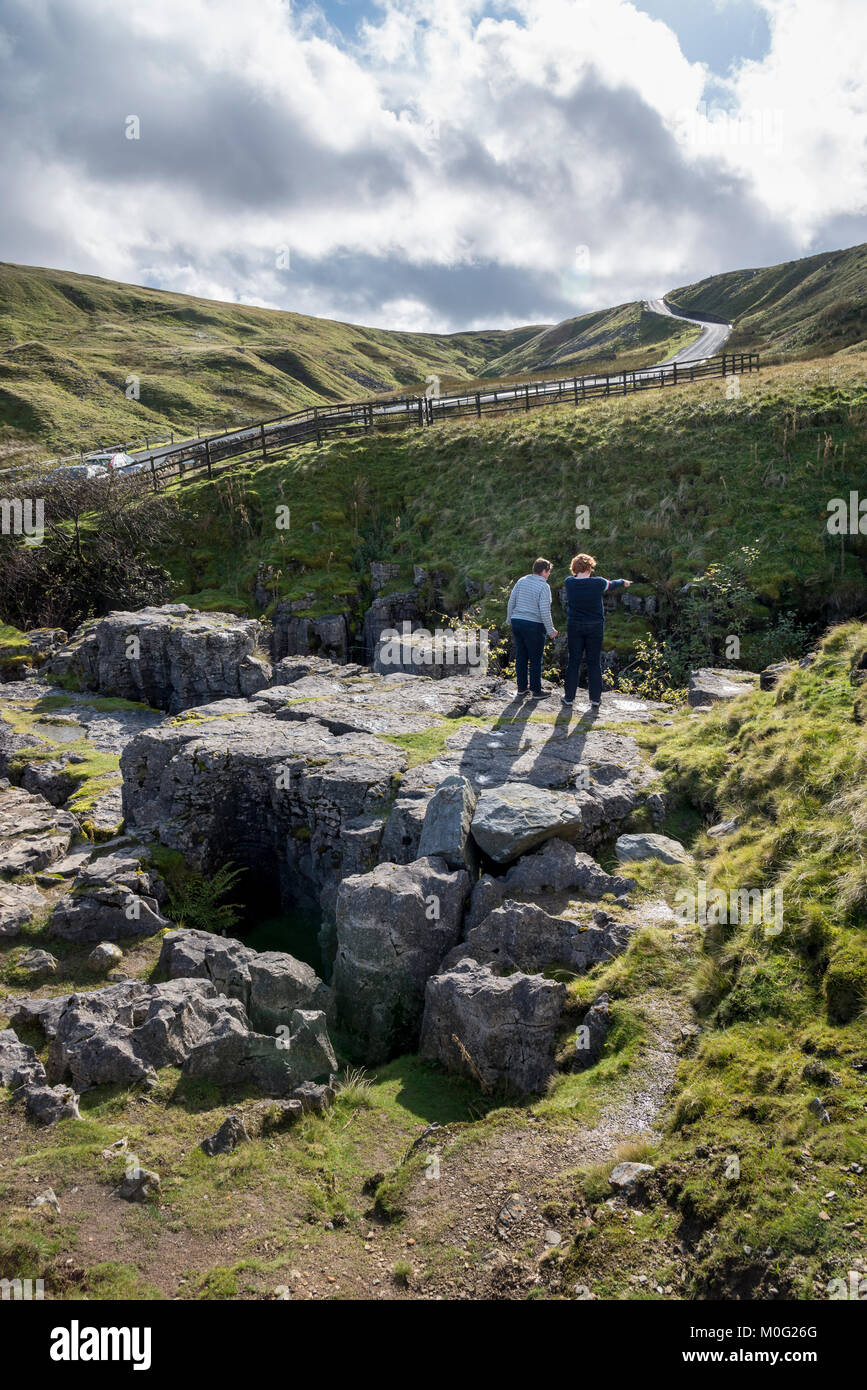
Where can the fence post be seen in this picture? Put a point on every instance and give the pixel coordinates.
(262, 437)
(575, 388)
(674, 373)
(208, 455)
(608, 385)
(154, 475)
(420, 413)
(478, 404)
(526, 398)
(724, 364)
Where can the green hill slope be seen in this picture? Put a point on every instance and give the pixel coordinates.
(628, 336)
(802, 308)
(69, 343)
(675, 482)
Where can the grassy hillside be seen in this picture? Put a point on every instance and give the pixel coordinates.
(758, 1185)
(69, 342)
(675, 481)
(802, 308)
(627, 335)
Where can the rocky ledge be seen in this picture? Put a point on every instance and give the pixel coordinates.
(443, 828)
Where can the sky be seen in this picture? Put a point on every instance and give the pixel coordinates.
(430, 165)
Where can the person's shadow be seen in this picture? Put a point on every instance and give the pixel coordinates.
(517, 735)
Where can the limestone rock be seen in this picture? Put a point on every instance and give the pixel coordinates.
(112, 913)
(394, 926)
(171, 657)
(514, 818)
(554, 868)
(45, 1105)
(592, 1032)
(231, 1133)
(401, 835)
(636, 848)
(525, 936)
(19, 1064)
(500, 1031)
(104, 957)
(231, 1055)
(446, 829)
(625, 1174)
(271, 985)
(138, 1185)
(19, 904)
(125, 1032)
(707, 686)
(38, 964)
(33, 833)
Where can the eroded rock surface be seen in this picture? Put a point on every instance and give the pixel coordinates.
(270, 984)
(499, 1031)
(394, 926)
(172, 657)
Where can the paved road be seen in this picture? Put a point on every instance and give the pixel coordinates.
(710, 341)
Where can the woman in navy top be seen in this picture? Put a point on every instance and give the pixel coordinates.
(586, 625)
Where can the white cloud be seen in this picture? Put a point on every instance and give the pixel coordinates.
(442, 169)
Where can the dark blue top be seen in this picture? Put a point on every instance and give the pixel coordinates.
(584, 596)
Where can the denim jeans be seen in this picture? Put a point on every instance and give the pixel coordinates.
(529, 646)
(585, 641)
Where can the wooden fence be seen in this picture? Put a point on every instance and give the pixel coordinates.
(365, 417)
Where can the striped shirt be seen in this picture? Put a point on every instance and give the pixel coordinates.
(530, 599)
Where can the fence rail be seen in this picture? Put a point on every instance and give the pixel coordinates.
(365, 417)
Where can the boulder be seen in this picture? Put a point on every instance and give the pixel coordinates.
(724, 827)
(446, 828)
(500, 1031)
(394, 926)
(45, 1105)
(112, 913)
(38, 964)
(231, 1133)
(138, 1185)
(526, 937)
(33, 833)
(171, 657)
(636, 848)
(232, 1055)
(19, 1064)
(555, 868)
(626, 1174)
(314, 1096)
(271, 985)
(19, 904)
(707, 686)
(592, 1032)
(509, 820)
(772, 675)
(125, 1032)
(104, 957)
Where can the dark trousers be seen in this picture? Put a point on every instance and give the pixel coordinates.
(529, 646)
(585, 641)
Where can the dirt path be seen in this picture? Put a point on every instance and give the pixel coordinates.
(505, 1198)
